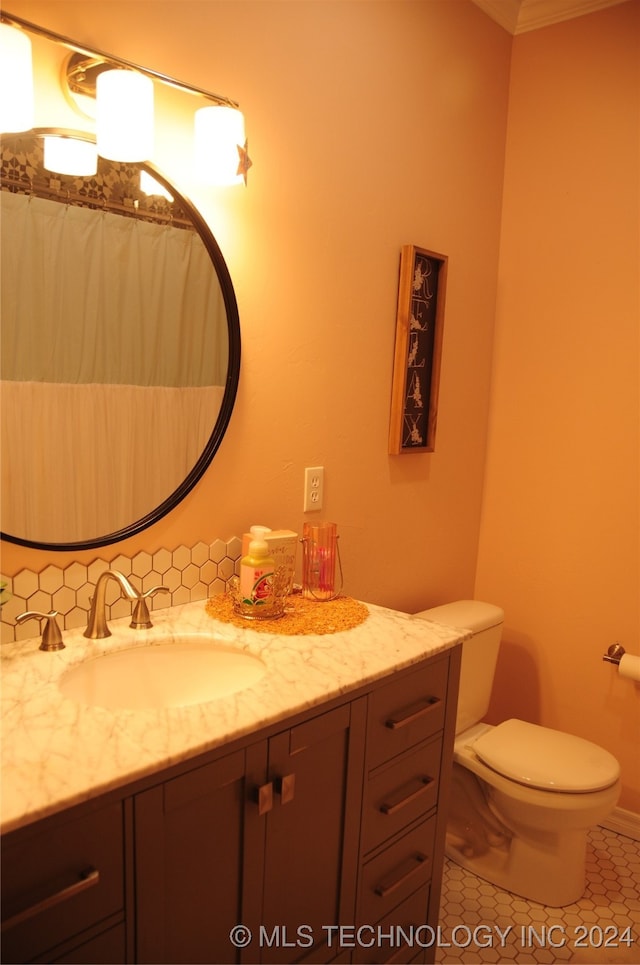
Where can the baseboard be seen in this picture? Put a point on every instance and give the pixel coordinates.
(623, 822)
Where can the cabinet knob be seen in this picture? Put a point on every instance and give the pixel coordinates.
(286, 788)
(264, 797)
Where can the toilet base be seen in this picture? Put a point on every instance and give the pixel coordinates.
(529, 841)
(546, 864)
(552, 872)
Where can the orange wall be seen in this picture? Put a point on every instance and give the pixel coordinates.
(560, 528)
(371, 125)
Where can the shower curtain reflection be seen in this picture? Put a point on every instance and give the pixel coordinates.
(83, 486)
(114, 338)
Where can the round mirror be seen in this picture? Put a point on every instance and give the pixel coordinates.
(120, 346)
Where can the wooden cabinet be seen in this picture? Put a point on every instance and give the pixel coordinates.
(261, 838)
(188, 858)
(311, 833)
(411, 722)
(63, 888)
(331, 821)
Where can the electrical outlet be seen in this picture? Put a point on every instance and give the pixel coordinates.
(313, 488)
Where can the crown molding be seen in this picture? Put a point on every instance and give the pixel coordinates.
(504, 12)
(520, 16)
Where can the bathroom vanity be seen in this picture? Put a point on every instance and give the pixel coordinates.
(300, 819)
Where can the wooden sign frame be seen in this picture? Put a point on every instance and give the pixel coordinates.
(418, 350)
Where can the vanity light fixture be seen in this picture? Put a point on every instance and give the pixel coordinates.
(220, 145)
(124, 115)
(16, 76)
(119, 96)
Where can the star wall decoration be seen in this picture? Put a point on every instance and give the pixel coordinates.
(244, 161)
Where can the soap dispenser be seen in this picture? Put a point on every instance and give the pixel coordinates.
(256, 532)
(256, 574)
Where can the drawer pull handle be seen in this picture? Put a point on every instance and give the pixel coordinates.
(391, 809)
(88, 879)
(384, 890)
(396, 722)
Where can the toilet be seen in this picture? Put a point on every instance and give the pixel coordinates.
(523, 796)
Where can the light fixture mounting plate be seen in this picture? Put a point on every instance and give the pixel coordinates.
(80, 75)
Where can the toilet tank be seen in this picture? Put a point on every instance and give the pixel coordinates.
(479, 654)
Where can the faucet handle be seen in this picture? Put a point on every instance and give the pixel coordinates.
(51, 637)
(141, 619)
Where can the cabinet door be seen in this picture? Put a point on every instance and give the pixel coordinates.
(311, 847)
(189, 841)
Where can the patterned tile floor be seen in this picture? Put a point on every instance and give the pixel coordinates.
(482, 923)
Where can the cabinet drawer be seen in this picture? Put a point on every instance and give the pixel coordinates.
(399, 793)
(108, 948)
(395, 873)
(58, 879)
(397, 937)
(407, 711)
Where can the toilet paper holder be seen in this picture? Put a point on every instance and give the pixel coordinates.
(614, 654)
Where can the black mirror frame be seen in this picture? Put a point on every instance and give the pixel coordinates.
(228, 399)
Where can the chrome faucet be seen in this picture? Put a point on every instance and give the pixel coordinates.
(97, 627)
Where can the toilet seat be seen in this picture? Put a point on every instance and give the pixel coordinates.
(546, 759)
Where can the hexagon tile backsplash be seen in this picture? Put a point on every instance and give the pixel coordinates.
(190, 573)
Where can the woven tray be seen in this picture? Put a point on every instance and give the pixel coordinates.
(301, 616)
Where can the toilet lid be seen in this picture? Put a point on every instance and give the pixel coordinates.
(545, 758)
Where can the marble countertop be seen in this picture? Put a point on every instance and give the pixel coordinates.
(57, 752)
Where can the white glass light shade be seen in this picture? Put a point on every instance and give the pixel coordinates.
(16, 80)
(219, 131)
(68, 155)
(124, 115)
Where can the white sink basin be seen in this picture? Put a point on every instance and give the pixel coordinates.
(178, 672)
